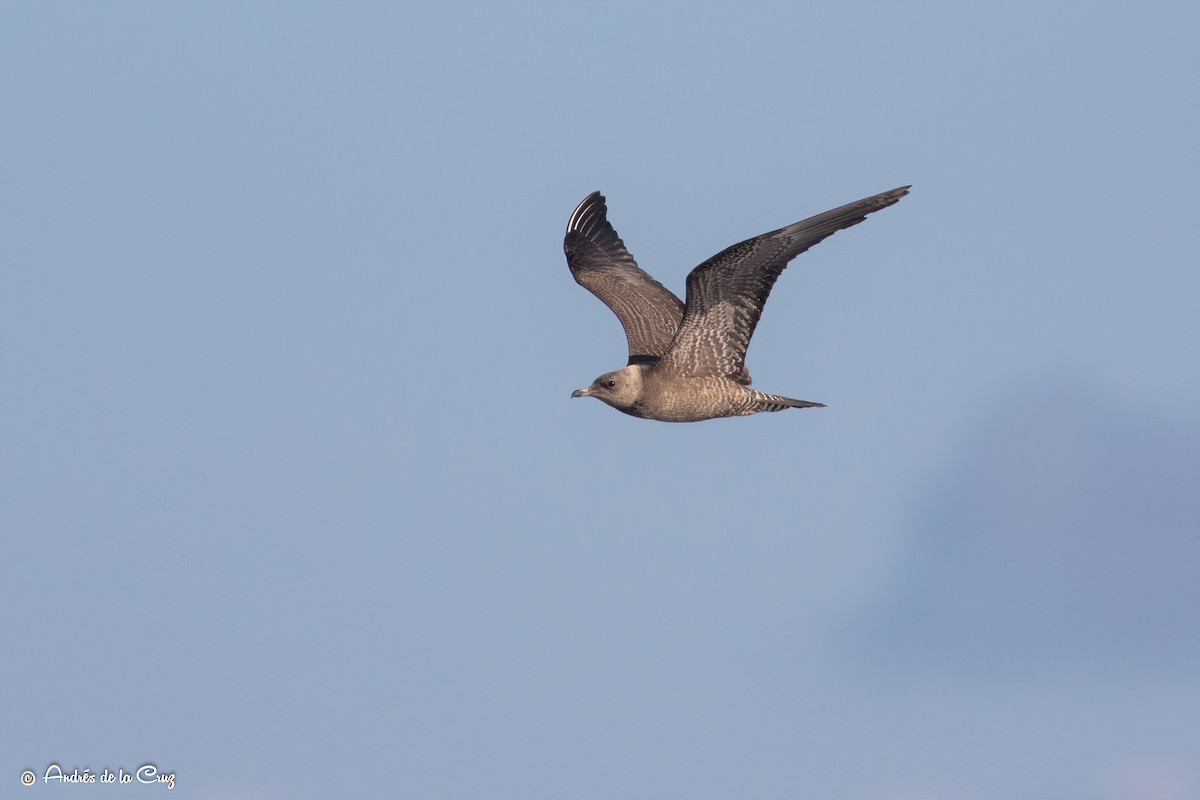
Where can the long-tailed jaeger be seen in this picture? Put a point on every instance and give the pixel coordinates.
(687, 362)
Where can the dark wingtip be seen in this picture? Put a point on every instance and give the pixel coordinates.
(591, 210)
(892, 195)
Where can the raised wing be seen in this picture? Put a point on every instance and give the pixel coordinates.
(600, 263)
(726, 294)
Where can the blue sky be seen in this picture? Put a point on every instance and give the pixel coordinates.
(295, 503)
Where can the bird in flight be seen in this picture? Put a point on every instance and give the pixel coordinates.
(687, 362)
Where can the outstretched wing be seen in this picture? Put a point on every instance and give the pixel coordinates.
(726, 294)
(600, 263)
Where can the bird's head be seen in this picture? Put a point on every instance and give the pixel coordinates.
(621, 389)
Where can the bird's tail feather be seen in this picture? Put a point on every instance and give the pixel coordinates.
(773, 402)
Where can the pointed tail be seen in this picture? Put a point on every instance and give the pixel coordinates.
(773, 402)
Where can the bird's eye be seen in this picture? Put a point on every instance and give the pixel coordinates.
(610, 383)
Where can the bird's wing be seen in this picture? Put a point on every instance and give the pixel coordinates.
(726, 294)
(648, 311)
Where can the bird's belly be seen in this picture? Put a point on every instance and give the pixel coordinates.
(698, 399)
